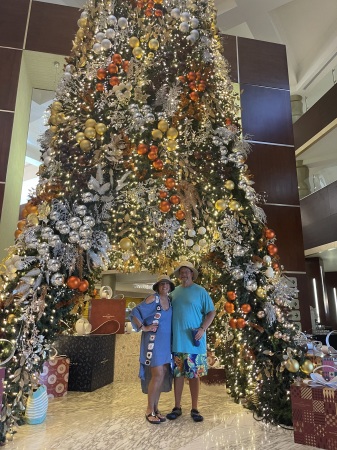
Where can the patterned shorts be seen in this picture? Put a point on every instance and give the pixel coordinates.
(189, 365)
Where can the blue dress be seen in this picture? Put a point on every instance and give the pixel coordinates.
(155, 348)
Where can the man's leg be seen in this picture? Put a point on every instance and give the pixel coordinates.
(194, 389)
(178, 390)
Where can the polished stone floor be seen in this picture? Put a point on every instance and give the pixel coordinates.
(113, 418)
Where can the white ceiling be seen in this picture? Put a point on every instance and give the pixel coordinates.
(308, 29)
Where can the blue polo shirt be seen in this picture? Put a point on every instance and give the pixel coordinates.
(190, 306)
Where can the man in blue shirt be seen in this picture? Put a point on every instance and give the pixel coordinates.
(193, 313)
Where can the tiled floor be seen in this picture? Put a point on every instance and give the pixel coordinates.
(113, 418)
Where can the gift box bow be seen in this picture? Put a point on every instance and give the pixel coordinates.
(318, 380)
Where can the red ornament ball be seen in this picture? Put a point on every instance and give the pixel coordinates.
(229, 307)
(269, 233)
(158, 164)
(101, 74)
(117, 59)
(164, 206)
(152, 156)
(142, 149)
(246, 308)
(232, 323)
(112, 68)
(180, 215)
(99, 87)
(114, 81)
(73, 282)
(83, 286)
(240, 323)
(170, 183)
(175, 199)
(272, 249)
(162, 194)
(231, 295)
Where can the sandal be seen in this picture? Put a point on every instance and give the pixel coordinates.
(160, 416)
(196, 416)
(152, 414)
(176, 412)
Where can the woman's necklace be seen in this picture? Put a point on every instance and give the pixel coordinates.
(164, 303)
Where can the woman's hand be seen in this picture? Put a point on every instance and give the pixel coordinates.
(152, 327)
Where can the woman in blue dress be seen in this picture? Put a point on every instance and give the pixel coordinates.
(154, 317)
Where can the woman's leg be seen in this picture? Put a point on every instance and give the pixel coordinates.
(157, 377)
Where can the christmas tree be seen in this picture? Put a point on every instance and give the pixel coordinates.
(144, 166)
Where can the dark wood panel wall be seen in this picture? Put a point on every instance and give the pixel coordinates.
(259, 67)
(26, 25)
(319, 212)
(320, 115)
(261, 70)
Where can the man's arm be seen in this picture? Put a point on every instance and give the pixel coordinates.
(208, 319)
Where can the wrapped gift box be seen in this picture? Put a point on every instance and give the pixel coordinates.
(314, 415)
(91, 360)
(2, 377)
(107, 316)
(214, 376)
(55, 376)
(329, 369)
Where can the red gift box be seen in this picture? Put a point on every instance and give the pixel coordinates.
(55, 376)
(107, 316)
(314, 415)
(2, 377)
(329, 369)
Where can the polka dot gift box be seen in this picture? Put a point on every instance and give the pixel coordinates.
(55, 376)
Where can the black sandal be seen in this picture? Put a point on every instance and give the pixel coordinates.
(196, 416)
(176, 412)
(152, 414)
(160, 416)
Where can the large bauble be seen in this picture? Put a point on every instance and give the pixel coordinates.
(125, 244)
(307, 367)
(292, 365)
(73, 282)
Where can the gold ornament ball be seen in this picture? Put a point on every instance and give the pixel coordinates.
(57, 107)
(85, 145)
(163, 126)
(171, 145)
(125, 243)
(79, 136)
(220, 205)
(137, 52)
(150, 55)
(90, 133)
(154, 44)
(53, 128)
(292, 365)
(80, 33)
(82, 22)
(11, 318)
(260, 292)
(60, 118)
(307, 367)
(172, 133)
(229, 184)
(234, 205)
(90, 123)
(134, 42)
(157, 134)
(100, 128)
(53, 119)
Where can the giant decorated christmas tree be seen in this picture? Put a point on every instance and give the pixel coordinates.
(143, 165)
